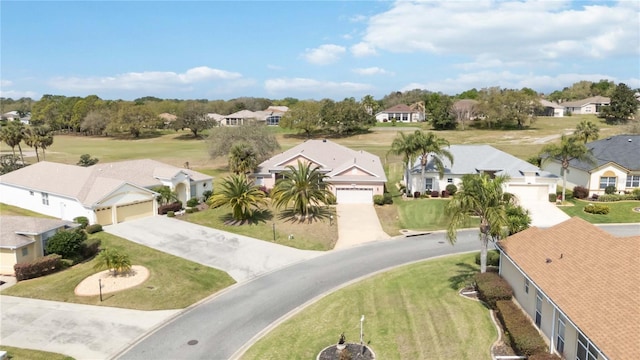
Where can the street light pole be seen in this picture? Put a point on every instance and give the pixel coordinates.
(100, 288)
(361, 335)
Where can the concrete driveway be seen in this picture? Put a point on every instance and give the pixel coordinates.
(240, 256)
(80, 331)
(544, 214)
(358, 224)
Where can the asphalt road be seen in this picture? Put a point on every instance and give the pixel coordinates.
(220, 327)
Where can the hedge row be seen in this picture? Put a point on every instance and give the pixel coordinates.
(617, 197)
(176, 206)
(92, 229)
(524, 338)
(38, 267)
(382, 199)
(492, 288)
(597, 209)
(90, 248)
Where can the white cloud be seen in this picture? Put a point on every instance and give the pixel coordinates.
(324, 54)
(6, 83)
(147, 80)
(363, 49)
(372, 71)
(274, 67)
(311, 86)
(17, 94)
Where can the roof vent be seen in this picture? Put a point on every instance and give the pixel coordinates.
(548, 260)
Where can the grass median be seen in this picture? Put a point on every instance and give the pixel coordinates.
(413, 312)
(15, 353)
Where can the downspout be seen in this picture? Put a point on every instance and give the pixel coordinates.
(553, 330)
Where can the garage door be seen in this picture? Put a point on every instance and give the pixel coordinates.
(354, 195)
(103, 216)
(529, 193)
(134, 211)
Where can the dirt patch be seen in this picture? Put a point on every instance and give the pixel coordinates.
(90, 286)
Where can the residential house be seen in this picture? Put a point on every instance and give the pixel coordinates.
(15, 115)
(551, 108)
(401, 113)
(617, 163)
(353, 176)
(527, 181)
(590, 105)
(270, 116)
(579, 286)
(167, 118)
(219, 119)
(24, 238)
(105, 193)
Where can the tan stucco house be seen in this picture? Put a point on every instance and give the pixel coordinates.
(354, 176)
(579, 285)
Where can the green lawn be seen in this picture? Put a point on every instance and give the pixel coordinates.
(413, 312)
(174, 283)
(8, 210)
(620, 212)
(27, 354)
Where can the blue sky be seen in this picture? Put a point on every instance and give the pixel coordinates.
(311, 49)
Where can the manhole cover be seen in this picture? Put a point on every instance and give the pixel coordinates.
(192, 342)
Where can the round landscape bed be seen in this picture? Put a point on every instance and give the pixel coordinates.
(90, 286)
(355, 352)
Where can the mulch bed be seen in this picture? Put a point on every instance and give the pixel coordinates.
(354, 352)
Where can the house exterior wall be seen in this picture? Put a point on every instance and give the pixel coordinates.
(55, 205)
(607, 171)
(399, 116)
(575, 177)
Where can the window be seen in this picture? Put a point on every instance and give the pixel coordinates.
(428, 184)
(538, 309)
(45, 199)
(526, 285)
(449, 181)
(607, 181)
(633, 181)
(25, 251)
(586, 350)
(405, 117)
(560, 339)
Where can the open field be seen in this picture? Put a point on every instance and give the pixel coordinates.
(173, 283)
(413, 312)
(28, 354)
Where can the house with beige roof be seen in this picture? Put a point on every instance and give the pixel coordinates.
(24, 238)
(271, 116)
(354, 176)
(105, 193)
(579, 286)
(551, 108)
(401, 113)
(590, 105)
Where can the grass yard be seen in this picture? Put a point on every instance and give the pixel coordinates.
(318, 235)
(413, 312)
(14, 353)
(173, 283)
(8, 210)
(620, 212)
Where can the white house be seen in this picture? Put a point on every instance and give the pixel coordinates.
(590, 105)
(401, 113)
(579, 286)
(105, 193)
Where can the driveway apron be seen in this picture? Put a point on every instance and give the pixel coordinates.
(545, 214)
(358, 224)
(240, 256)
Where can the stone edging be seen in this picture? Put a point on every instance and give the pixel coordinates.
(495, 323)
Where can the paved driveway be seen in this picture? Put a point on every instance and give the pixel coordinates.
(357, 224)
(240, 256)
(544, 214)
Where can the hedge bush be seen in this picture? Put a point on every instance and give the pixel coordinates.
(444, 194)
(90, 247)
(193, 202)
(523, 337)
(176, 206)
(38, 267)
(66, 243)
(610, 190)
(82, 220)
(189, 210)
(568, 193)
(491, 288)
(171, 214)
(617, 197)
(451, 189)
(388, 199)
(597, 209)
(553, 198)
(207, 194)
(378, 199)
(580, 192)
(493, 258)
(92, 229)
(434, 194)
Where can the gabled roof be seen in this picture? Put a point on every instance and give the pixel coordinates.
(400, 108)
(242, 114)
(547, 103)
(623, 150)
(583, 102)
(334, 158)
(473, 159)
(14, 229)
(591, 275)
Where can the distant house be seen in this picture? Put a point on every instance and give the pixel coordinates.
(270, 116)
(15, 115)
(579, 286)
(105, 193)
(354, 176)
(401, 113)
(219, 119)
(551, 108)
(167, 118)
(591, 105)
(617, 164)
(24, 238)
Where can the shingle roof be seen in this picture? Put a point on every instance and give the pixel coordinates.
(591, 100)
(398, 108)
(592, 277)
(623, 150)
(334, 158)
(551, 104)
(14, 228)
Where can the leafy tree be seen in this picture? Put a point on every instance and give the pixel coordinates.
(304, 116)
(403, 145)
(440, 111)
(241, 195)
(622, 107)
(9, 163)
(242, 158)
(345, 117)
(586, 130)
(221, 139)
(165, 195)
(86, 160)
(39, 137)
(570, 148)
(194, 117)
(114, 260)
(518, 219)
(370, 105)
(66, 243)
(508, 108)
(483, 197)
(430, 144)
(472, 94)
(12, 135)
(303, 190)
(133, 118)
(96, 121)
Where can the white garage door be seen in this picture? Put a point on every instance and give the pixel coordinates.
(529, 193)
(354, 195)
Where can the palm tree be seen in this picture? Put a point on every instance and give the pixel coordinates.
(112, 259)
(38, 137)
(165, 195)
(239, 193)
(302, 189)
(242, 158)
(403, 145)
(12, 135)
(570, 148)
(586, 130)
(483, 197)
(430, 143)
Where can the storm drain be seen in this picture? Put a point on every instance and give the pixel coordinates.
(192, 342)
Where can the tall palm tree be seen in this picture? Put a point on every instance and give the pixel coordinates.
(430, 144)
(242, 158)
(586, 130)
(483, 197)
(114, 260)
(403, 145)
(38, 137)
(302, 189)
(570, 148)
(239, 193)
(12, 135)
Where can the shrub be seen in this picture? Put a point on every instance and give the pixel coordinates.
(491, 288)
(66, 243)
(66, 263)
(452, 189)
(493, 258)
(544, 356)
(595, 196)
(38, 267)
(82, 220)
(176, 206)
(568, 193)
(171, 214)
(206, 195)
(112, 259)
(610, 190)
(523, 337)
(189, 210)
(378, 199)
(416, 194)
(445, 194)
(434, 194)
(92, 229)
(553, 198)
(264, 190)
(597, 209)
(193, 202)
(89, 248)
(610, 197)
(636, 192)
(580, 192)
(388, 199)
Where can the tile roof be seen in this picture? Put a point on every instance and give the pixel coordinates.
(623, 150)
(592, 276)
(13, 229)
(334, 158)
